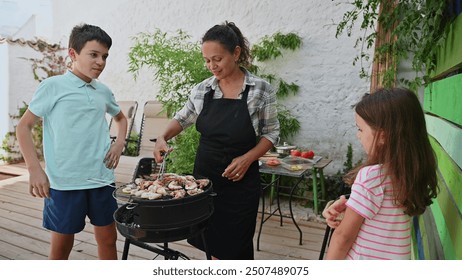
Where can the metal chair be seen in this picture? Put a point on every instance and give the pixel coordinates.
(154, 122)
(325, 242)
(129, 109)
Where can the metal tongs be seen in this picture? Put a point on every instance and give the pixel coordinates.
(162, 165)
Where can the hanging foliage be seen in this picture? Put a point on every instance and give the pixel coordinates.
(416, 27)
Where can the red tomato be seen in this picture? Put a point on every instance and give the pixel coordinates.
(307, 154)
(295, 153)
(273, 162)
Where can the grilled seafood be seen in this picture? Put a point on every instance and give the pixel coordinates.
(171, 186)
(175, 185)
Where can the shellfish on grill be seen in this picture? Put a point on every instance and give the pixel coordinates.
(171, 185)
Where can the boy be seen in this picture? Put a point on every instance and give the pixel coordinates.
(77, 148)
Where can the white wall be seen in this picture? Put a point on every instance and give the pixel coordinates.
(17, 83)
(329, 84)
(22, 83)
(4, 84)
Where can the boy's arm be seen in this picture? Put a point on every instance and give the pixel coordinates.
(344, 235)
(38, 180)
(113, 156)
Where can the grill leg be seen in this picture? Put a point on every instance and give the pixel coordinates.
(126, 247)
(206, 249)
(166, 247)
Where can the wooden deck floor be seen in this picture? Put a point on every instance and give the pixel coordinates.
(22, 236)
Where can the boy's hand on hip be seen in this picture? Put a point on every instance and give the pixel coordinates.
(39, 186)
(112, 157)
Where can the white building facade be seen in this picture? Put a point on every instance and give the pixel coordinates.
(322, 67)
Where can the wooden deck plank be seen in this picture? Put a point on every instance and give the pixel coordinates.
(22, 236)
(11, 252)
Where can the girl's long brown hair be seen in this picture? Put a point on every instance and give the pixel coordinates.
(406, 153)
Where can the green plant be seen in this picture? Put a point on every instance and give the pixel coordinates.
(268, 48)
(10, 145)
(178, 66)
(289, 125)
(132, 147)
(334, 183)
(181, 160)
(416, 26)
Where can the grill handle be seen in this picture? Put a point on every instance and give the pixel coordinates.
(131, 206)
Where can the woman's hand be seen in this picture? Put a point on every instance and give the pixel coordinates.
(160, 148)
(334, 213)
(237, 168)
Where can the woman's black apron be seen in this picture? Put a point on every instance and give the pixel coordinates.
(227, 132)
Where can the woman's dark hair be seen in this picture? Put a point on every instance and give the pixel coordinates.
(81, 34)
(230, 36)
(405, 152)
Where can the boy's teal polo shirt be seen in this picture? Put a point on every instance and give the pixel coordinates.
(75, 131)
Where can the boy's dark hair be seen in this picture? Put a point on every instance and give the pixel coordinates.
(81, 34)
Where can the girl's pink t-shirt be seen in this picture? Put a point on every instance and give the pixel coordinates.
(386, 231)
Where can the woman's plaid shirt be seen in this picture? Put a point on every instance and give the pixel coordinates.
(261, 102)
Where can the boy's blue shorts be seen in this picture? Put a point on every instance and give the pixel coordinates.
(65, 211)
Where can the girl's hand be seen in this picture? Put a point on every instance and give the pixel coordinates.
(334, 213)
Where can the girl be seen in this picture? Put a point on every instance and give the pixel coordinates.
(397, 181)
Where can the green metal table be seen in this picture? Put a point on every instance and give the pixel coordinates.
(278, 171)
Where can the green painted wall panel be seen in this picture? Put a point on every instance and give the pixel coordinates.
(446, 241)
(453, 220)
(433, 238)
(448, 135)
(449, 205)
(430, 238)
(449, 56)
(444, 98)
(451, 173)
(425, 239)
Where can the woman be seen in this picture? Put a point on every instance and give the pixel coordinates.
(230, 109)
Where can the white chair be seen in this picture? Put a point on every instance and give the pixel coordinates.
(129, 109)
(154, 122)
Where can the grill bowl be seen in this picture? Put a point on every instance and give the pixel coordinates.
(163, 220)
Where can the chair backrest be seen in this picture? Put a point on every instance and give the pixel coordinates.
(129, 109)
(154, 122)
